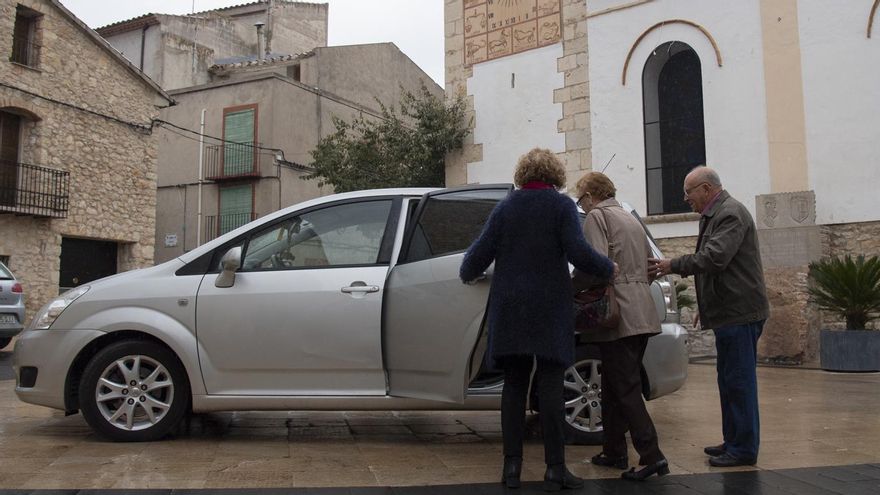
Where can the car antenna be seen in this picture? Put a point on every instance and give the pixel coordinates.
(608, 162)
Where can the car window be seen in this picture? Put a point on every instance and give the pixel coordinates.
(341, 235)
(450, 222)
(5, 274)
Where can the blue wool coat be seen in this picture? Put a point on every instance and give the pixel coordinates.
(531, 236)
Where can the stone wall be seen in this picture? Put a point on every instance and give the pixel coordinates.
(791, 335)
(112, 164)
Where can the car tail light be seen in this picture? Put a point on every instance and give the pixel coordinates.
(17, 288)
(668, 291)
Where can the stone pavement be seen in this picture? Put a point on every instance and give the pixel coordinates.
(810, 419)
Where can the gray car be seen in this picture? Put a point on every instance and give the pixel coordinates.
(345, 302)
(11, 306)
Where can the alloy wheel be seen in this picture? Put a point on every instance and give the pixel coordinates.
(134, 392)
(583, 396)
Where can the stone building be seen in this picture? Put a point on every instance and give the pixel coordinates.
(78, 155)
(778, 95)
(176, 51)
(271, 113)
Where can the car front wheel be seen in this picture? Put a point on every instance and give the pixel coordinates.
(134, 391)
(583, 402)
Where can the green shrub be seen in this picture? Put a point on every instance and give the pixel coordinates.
(847, 287)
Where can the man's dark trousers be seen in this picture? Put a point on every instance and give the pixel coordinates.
(622, 405)
(737, 348)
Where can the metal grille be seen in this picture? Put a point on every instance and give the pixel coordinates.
(217, 225)
(33, 190)
(230, 160)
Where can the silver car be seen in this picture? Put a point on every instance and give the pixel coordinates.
(345, 302)
(11, 306)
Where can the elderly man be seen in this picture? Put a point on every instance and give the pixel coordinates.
(732, 301)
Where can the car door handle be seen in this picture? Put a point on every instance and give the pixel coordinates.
(360, 288)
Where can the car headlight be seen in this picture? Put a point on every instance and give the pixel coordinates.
(51, 311)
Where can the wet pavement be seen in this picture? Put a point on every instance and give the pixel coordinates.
(820, 434)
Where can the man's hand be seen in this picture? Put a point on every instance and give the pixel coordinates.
(697, 320)
(616, 271)
(658, 267)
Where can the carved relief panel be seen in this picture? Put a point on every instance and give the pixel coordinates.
(496, 28)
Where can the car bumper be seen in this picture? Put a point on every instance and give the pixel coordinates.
(9, 330)
(51, 352)
(666, 360)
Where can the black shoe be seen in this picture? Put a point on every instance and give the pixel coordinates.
(511, 472)
(603, 459)
(660, 468)
(727, 460)
(714, 450)
(558, 477)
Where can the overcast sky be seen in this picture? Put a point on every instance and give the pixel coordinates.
(415, 26)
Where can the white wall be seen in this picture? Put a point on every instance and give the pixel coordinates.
(512, 120)
(733, 95)
(129, 44)
(841, 68)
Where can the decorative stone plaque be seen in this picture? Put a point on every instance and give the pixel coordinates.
(787, 230)
(781, 210)
(497, 28)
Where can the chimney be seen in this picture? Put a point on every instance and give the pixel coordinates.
(260, 51)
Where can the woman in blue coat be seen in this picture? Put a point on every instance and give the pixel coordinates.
(531, 236)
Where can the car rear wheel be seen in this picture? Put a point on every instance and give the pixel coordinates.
(134, 391)
(583, 402)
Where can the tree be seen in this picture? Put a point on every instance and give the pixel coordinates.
(402, 148)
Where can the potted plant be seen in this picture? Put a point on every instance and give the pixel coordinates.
(850, 289)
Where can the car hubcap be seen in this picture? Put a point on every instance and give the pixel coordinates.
(134, 392)
(583, 395)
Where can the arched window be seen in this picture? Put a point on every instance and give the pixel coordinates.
(672, 95)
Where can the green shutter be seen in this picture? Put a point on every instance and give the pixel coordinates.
(235, 207)
(238, 127)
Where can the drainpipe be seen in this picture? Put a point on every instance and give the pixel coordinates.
(143, 44)
(260, 54)
(201, 173)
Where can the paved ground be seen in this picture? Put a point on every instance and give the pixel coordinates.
(810, 419)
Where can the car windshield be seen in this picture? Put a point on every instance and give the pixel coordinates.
(5, 274)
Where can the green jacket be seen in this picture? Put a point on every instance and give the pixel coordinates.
(727, 269)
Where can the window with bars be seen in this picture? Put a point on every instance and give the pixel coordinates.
(25, 46)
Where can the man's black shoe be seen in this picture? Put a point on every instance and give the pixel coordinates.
(660, 468)
(603, 459)
(727, 460)
(715, 450)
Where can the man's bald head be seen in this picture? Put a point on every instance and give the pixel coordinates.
(701, 185)
(704, 174)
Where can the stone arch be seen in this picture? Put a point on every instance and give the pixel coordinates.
(661, 24)
(19, 107)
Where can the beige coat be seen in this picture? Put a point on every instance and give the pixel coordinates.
(623, 240)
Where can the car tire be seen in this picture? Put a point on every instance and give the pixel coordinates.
(134, 391)
(582, 393)
(4, 341)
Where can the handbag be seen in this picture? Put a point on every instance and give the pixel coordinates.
(596, 308)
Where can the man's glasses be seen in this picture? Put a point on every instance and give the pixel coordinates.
(688, 191)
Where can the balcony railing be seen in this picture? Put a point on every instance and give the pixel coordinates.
(25, 51)
(231, 161)
(33, 190)
(217, 225)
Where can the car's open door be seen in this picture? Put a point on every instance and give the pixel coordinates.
(431, 321)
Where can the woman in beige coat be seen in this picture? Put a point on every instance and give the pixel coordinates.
(613, 231)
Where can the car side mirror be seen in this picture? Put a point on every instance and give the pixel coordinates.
(229, 263)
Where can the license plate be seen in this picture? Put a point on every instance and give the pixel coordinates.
(7, 318)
